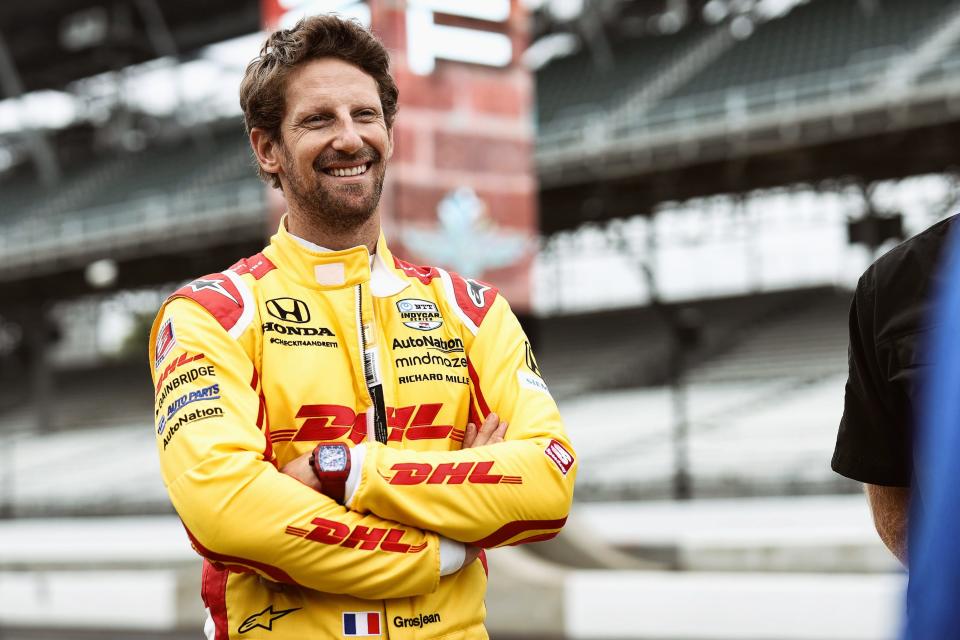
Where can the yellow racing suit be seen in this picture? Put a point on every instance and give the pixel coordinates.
(256, 365)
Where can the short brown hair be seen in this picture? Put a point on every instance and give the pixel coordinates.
(262, 92)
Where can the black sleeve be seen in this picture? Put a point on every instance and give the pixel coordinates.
(873, 444)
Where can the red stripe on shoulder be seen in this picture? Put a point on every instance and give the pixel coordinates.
(218, 295)
(473, 297)
(423, 274)
(213, 591)
(257, 265)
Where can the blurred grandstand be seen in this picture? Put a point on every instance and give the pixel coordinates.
(713, 176)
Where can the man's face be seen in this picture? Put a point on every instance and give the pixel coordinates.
(334, 143)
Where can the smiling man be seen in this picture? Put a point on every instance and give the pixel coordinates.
(343, 432)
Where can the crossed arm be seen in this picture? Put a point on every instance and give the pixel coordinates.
(275, 525)
(491, 432)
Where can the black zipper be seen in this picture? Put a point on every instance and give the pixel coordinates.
(374, 385)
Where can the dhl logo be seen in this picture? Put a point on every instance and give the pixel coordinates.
(185, 358)
(326, 422)
(359, 537)
(410, 473)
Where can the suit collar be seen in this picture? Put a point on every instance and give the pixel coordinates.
(319, 268)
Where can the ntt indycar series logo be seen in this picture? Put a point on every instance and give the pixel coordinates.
(454, 345)
(422, 315)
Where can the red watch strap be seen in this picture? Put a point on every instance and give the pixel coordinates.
(332, 484)
(334, 489)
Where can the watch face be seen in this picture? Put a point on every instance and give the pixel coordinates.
(332, 458)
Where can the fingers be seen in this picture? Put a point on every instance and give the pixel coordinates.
(490, 425)
(469, 436)
(499, 433)
(491, 431)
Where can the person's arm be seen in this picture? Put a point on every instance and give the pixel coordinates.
(873, 443)
(511, 492)
(238, 509)
(890, 507)
(873, 440)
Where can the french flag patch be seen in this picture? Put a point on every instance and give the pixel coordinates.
(364, 623)
(166, 340)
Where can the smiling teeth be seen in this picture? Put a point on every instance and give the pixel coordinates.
(351, 171)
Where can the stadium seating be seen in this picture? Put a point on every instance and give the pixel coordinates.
(576, 85)
(819, 36)
(791, 334)
(822, 48)
(750, 438)
(183, 167)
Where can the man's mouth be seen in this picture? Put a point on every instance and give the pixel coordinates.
(346, 172)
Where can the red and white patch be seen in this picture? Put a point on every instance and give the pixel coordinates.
(560, 456)
(166, 341)
(219, 295)
(257, 265)
(423, 274)
(472, 298)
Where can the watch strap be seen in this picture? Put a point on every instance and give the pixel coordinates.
(332, 484)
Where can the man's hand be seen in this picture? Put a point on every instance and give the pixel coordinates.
(491, 432)
(299, 468)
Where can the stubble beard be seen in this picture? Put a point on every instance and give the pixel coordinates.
(324, 205)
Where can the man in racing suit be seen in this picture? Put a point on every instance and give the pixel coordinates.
(313, 401)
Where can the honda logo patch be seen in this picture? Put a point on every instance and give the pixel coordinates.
(289, 310)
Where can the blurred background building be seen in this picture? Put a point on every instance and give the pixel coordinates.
(677, 196)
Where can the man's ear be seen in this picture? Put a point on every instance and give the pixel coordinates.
(266, 149)
(389, 143)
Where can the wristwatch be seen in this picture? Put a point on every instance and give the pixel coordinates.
(331, 464)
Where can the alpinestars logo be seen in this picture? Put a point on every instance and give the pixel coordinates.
(215, 286)
(476, 290)
(264, 619)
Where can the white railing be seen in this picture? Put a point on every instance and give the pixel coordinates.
(136, 222)
(600, 126)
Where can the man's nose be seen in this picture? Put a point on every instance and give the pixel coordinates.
(347, 139)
